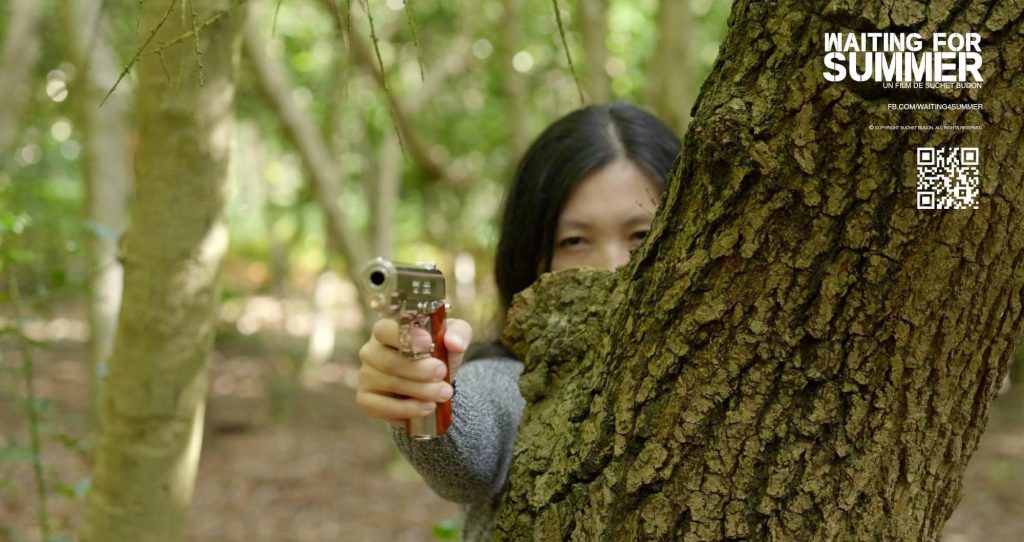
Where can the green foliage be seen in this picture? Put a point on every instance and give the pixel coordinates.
(447, 529)
(466, 124)
(15, 453)
(76, 491)
(73, 443)
(40, 197)
(632, 34)
(708, 32)
(31, 282)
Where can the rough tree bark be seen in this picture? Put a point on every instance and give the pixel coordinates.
(148, 449)
(797, 352)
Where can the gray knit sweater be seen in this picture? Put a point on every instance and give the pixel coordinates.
(469, 463)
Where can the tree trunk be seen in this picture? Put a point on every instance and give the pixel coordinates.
(515, 82)
(594, 27)
(670, 85)
(797, 352)
(106, 167)
(17, 60)
(386, 195)
(148, 450)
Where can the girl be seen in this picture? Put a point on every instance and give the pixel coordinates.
(584, 195)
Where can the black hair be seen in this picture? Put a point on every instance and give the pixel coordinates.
(579, 143)
(574, 146)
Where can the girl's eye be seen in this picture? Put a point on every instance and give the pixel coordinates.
(570, 242)
(639, 235)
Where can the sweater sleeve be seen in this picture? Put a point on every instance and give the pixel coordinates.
(470, 461)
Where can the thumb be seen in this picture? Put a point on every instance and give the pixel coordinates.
(458, 334)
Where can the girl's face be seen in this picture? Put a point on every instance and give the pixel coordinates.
(606, 216)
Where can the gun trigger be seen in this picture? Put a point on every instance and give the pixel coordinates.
(405, 341)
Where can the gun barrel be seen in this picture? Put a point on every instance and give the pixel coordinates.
(389, 285)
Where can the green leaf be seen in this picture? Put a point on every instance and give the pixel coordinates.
(76, 492)
(447, 529)
(14, 223)
(64, 489)
(13, 452)
(18, 256)
(58, 277)
(40, 405)
(73, 443)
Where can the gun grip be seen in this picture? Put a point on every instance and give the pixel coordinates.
(437, 325)
(436, 424)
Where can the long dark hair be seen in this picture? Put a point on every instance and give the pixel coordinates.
(577, 144)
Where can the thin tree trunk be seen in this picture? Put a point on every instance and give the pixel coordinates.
(797, 352)
(670, 87)
(18, 57)
(148, 449)
(321, 341)
(106, 167)
(594, 28)
(515, 83)
(388, 187)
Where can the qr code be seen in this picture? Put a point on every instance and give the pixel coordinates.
(947, 178)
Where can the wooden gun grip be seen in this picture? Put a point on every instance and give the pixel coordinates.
(437, 326)
(435, 425)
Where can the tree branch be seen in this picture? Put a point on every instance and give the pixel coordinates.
(275, 86)
(418, 148)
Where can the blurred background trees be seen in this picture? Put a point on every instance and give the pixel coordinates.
(334, 159)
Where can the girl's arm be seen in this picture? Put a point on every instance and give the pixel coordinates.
(470, 461)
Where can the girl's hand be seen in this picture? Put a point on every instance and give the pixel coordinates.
(393, 387)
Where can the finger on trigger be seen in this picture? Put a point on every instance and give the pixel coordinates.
(421, 339)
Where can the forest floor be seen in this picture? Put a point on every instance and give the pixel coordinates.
(284, 462)
(280, 462)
